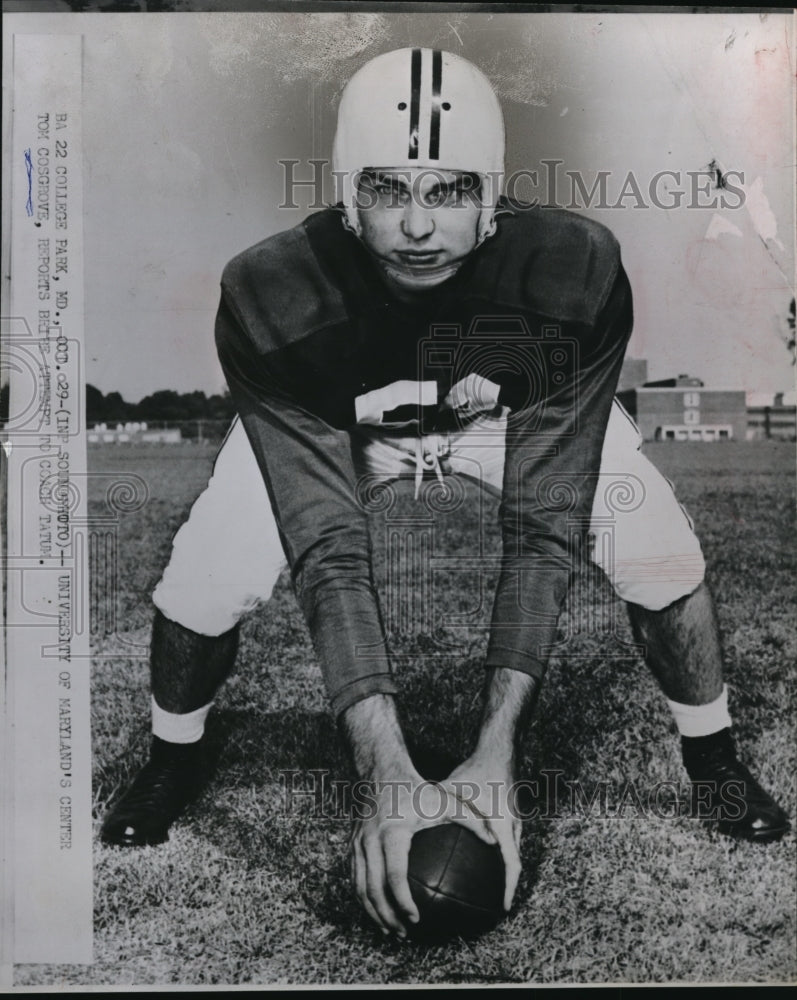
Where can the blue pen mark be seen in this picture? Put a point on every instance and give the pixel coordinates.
(29, 171)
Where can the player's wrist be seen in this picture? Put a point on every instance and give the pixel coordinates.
(494, 756)
(509, 700)
(394, 769)
(376, 742)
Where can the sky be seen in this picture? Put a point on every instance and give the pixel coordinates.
(188, 116)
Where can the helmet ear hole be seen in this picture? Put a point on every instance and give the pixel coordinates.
(487, 228)
(351, 222)
(402, 105)
(445, 106)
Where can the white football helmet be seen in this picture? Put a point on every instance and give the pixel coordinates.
(420, 108)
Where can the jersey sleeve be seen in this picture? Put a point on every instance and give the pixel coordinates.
(309, 474)
(553, 454)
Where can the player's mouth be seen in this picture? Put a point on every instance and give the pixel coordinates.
(421, 260)
(419, 270)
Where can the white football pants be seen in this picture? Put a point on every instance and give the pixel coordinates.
(227, 556)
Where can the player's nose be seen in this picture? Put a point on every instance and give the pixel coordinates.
(417, 221)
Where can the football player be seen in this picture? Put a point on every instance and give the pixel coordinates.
(322, 333)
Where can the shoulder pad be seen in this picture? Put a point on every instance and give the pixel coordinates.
(280, 286)
(549, 260)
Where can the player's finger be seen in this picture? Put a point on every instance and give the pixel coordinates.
(512, 868)
(396, 848)
(358, 870)
(477, 824)
(375, 887)
(460, 808)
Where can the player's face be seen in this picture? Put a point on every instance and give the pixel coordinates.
(419, 223)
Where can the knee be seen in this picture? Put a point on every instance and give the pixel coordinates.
(212, 579)
(651, 568)
(205, 609)
(656, 582)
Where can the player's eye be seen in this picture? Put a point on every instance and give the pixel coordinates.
(436, 196)
(452, 194)
(381, 190)
(390, 192)
(463, 191)
(455, 193)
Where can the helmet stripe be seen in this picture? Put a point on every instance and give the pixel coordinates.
(415, 103)
(437, 80)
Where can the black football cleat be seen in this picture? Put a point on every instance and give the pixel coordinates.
(160, 791)
(724, 790)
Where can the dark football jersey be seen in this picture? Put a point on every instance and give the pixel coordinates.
(308, 327)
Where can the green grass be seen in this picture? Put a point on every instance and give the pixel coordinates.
(247, 891)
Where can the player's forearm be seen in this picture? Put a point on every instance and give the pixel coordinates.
(372, 730)
(509, 699)
(307, 469)
(552, 468)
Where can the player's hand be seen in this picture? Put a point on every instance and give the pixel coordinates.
(472, 395)
(381, 838)
(485, 788)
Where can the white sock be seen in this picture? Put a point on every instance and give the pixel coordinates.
(174, 727)
(702, 720)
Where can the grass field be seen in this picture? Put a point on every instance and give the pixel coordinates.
(249, 890)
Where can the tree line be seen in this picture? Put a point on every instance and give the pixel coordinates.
(163, 405)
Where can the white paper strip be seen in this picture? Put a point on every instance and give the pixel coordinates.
(47, 631)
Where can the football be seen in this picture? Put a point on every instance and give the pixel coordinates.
(457, 882)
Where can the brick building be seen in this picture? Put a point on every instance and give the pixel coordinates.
(683, 409)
